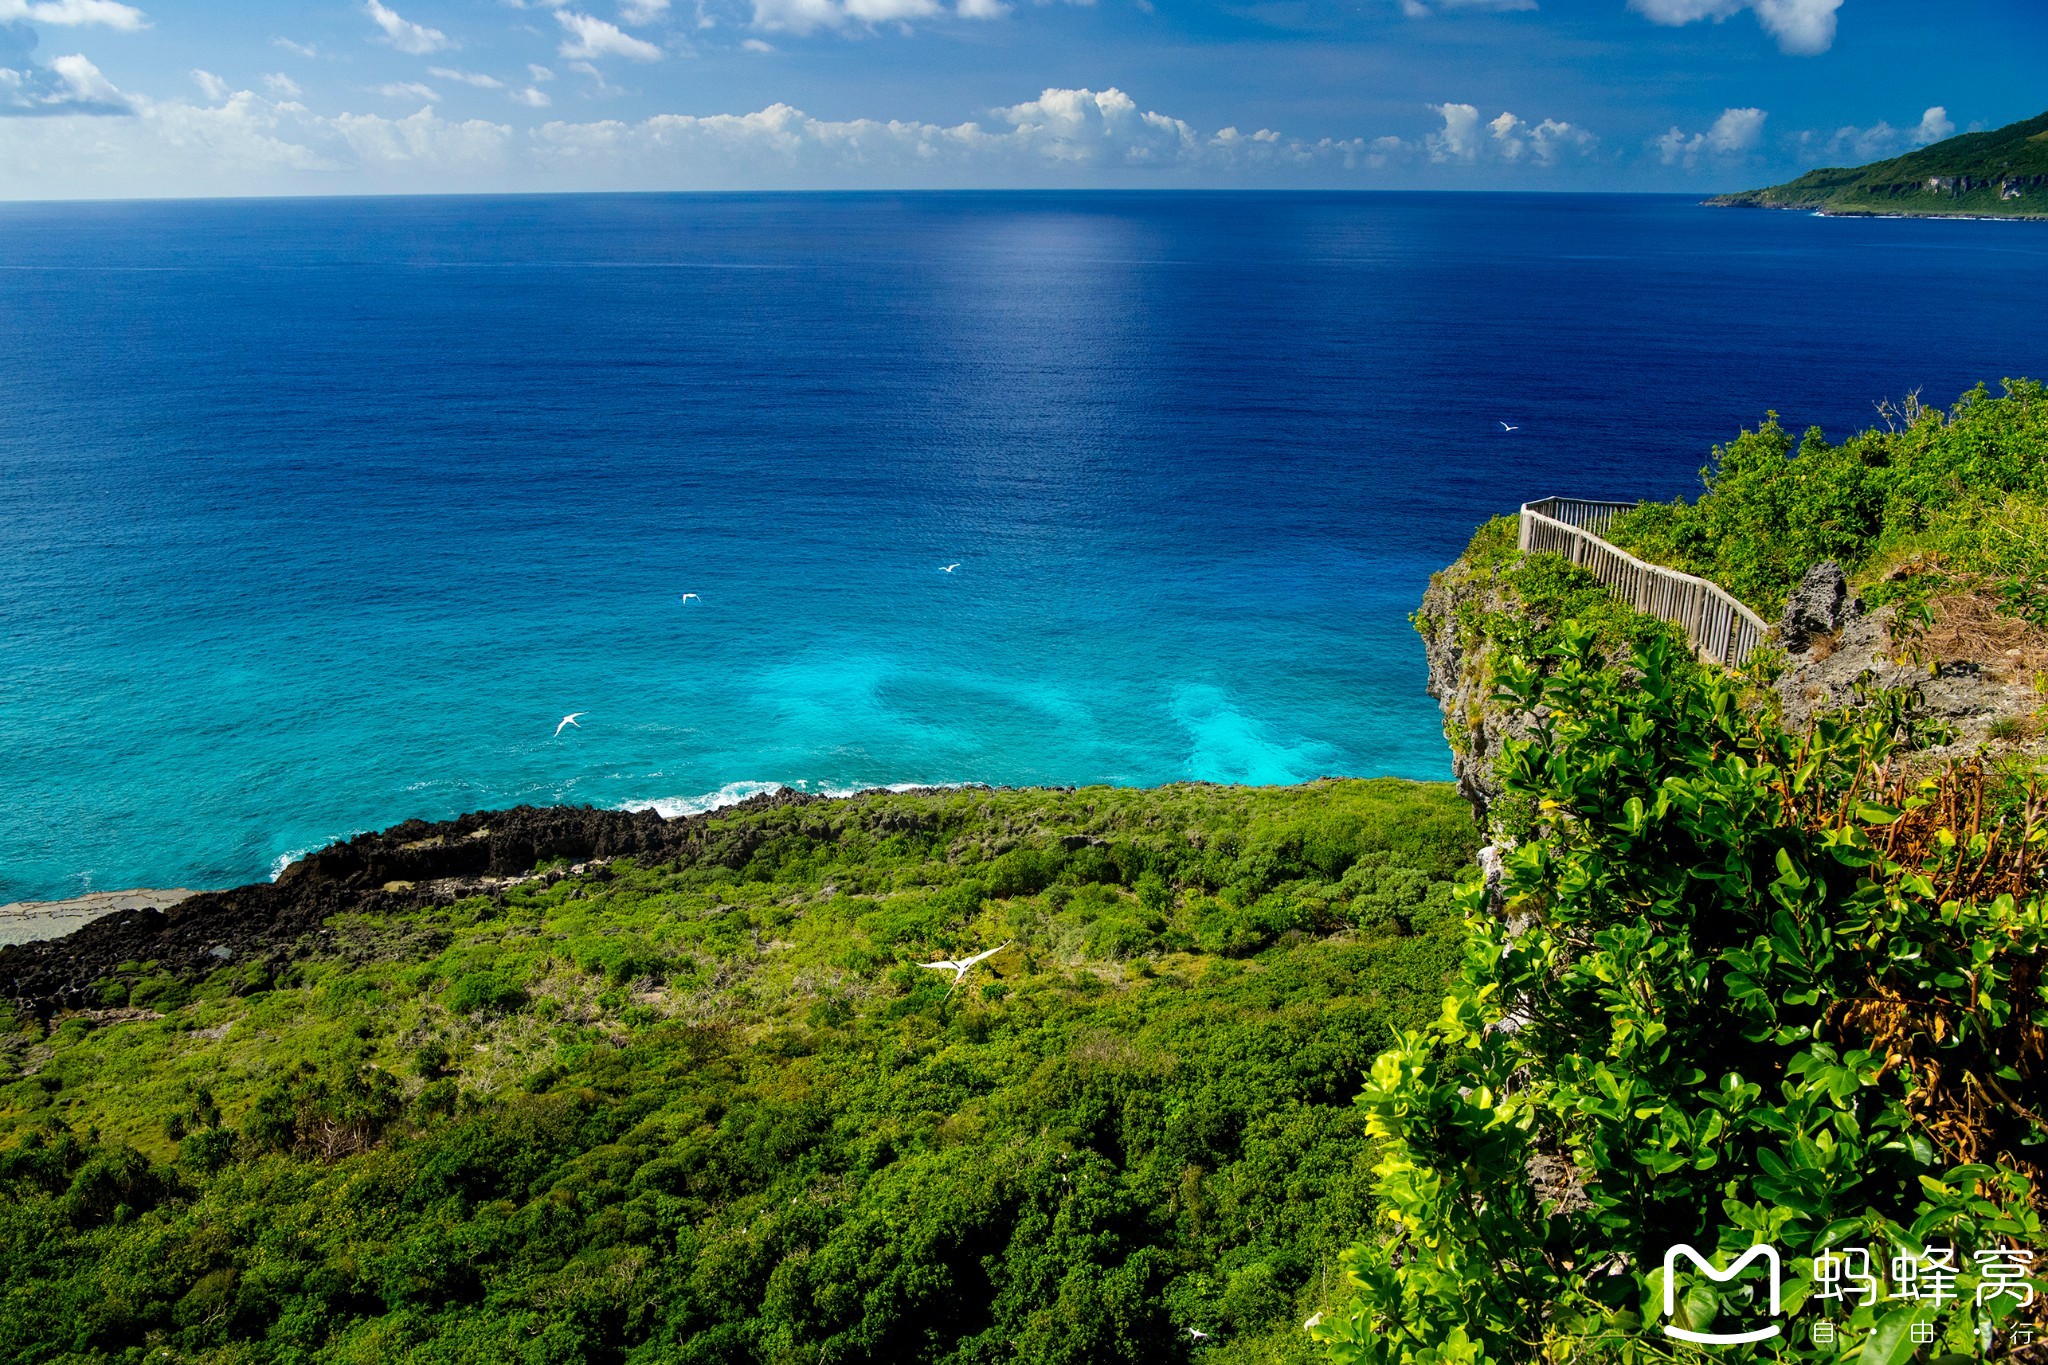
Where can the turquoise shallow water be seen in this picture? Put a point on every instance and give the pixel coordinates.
(320, 514)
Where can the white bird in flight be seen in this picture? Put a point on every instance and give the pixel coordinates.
(962, 967)
(1198, 1334)
(569, 719)
(947, 568)
(1505, 427)
(688, 596)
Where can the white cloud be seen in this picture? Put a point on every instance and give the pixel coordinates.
(883, 11)
(533, 97)
(404, 34)
(1540, 142)
(249, 144)
(409, 90)
(1506, 138)
(642, 11)
(302, 49)
(1458, 140)
(1802, 27)
(475, 78)
(1850, 144)
(246, 144)
(74, 13)
(591, 38)
(538, 72)
(756, 45)
(808, 16)
(1736, 132)
(67, 86)
(1935, 126)
(282, 86)
(214, 88)
(424, 140)
(1423, 9)
(85, 82)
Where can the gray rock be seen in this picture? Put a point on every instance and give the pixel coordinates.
(1819, 606)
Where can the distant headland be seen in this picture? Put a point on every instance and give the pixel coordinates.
(1999, 174)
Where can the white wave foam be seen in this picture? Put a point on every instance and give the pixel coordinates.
(285, 860)
(732, 793)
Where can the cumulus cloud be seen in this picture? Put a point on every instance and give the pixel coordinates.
(213, 87)
(1508, 138)
(409, 90)
(808, 16)
(1422, 9)
(404, 34)
(1879, 141)
(475, 78)
(73, 13)
(532, 96)
(247, 143)
(1541, 143)
(1935, 126)
(301, 49)
(68, 85)
(1458, 139)
(1803, 27)
(1735, 133)
(591, 38)
(282, 86)
(642, 11)
(423, 140)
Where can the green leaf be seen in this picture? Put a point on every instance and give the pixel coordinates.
(1891, 1341)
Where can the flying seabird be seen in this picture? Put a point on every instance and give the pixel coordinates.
(1505, 427)
(686, 597)
(947, 568)
(569, 719)
(962, 967)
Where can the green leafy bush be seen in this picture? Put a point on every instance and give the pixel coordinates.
(475, 991)
(1750, 987)
(1964, 491)
(734, 1119)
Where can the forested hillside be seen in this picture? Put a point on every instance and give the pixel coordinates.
(1764, 962)
(709, 1108)
(2002, 173)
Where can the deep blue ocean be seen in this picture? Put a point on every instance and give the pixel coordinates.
(320, 514)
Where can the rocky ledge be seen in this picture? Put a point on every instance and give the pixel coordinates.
(266, 924)
(1970, 674)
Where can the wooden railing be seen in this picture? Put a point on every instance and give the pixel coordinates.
(1721, 628)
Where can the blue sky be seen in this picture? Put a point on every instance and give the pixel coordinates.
(103, 98)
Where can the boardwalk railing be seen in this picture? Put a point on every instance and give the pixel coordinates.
(1721, 628)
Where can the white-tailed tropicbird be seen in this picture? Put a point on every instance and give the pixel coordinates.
(962, 967)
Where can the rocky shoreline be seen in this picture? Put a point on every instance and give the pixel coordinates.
(266, 924)
(35, 921)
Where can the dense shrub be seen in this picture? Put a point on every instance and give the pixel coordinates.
(715, 1111)
(1963, 491)
(1766, 987)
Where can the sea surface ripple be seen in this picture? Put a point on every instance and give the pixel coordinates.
(320, 514)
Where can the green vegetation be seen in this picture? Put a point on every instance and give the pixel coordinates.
(714, 1111)
(2002, 173)
(1768, 991)
(1937, 500)
(1531, 598)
